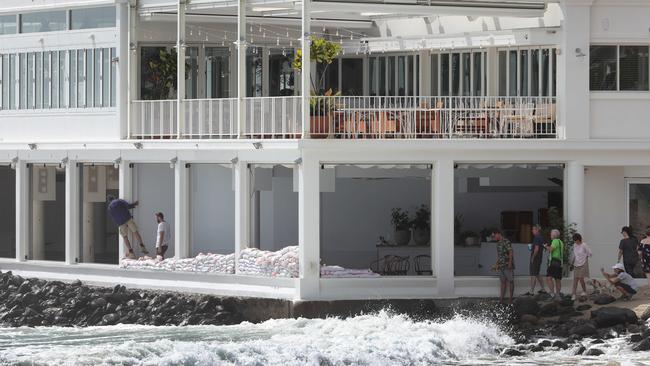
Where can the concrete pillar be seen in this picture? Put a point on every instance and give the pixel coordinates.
(72, 196)
(242, 208)
(573, 72)
(38, 231)
(241, 66)
(443, 226)
(23, 185)
(309, 227)
(180, 67)
(126, 193)
(575, 194)
(181, 210)
(88, 240)
(305, 73)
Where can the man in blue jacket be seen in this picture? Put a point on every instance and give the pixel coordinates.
(119, 211)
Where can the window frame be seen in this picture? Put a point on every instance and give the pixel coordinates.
(618, 46)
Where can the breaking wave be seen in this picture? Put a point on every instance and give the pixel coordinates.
(378, 339)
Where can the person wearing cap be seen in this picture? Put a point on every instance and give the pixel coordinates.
(119, 212)
(622, 280)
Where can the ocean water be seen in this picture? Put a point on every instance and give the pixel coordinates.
(378, 339)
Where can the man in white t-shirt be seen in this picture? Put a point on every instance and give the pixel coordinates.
(623, 282)
(163, 235)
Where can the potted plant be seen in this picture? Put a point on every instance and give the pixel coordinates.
(322, 52)
(469, 238)
(161, 75)
(401, 226)
(421, 225)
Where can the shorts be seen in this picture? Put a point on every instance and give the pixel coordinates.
(128, 226)
(626, 288)
(535, 266)
(506, 275)
(581, 271)
(554, 269)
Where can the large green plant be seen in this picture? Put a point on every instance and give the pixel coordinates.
(322, 52)
(163, 72)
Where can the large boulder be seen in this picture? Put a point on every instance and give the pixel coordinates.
(594, 352)
(610, 316)
(604, 299)
(644, 345)
(526, 306)
(550, 309)
(584, 330)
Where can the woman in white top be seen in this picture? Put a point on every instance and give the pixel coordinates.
(163, 233)
(580, 264)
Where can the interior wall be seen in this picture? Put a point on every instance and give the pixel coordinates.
(212, 209)
(279, 212)
(154, 189)
(53, 224)
(358, 212)
(8, 213)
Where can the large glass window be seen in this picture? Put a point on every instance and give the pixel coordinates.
(192, 72)
(103, 17)
(458, 73)
(624, 68)
(638, 192)
(352, 76)
(254, 72)
(8, 24)
(46, 21)
(217, 71)
(526, 72)
(395, 75)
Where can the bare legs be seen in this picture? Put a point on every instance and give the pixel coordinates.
(581, 281)
(647, 275)
(504, 285)
(553, 283)
(533, 280)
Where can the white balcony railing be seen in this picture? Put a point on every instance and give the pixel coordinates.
(273, 117)
(433, 117)
(349, 118)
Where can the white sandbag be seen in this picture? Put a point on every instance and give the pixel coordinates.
(282, 263)
(204, 263)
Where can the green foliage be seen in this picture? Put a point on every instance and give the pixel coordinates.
(400, 219)
(321, 51)
(422, 219)
(163, 72)
(322, 105)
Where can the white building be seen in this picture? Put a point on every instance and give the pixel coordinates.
(488, 112)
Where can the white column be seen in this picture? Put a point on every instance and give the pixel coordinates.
(72, 213)
(126, 193)
(180, 67)
(242, 208)
(443, 226)
(306, 66)
(22, 210)
(573, 72)
(241, 66)
(575, 194)
(309, 227)
(122, 88)
(181, 210)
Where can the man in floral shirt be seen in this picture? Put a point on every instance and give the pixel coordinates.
(505, 264)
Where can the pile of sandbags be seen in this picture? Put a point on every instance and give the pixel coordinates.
(204, 263)
(283, 263)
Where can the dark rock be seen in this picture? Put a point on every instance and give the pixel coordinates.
(597, 341)
(580, 350)
(611, 316)
(583, 330)
(528, 318)
(548, 310)
(604, 299)
(24, 287)
(566, 302)
(110, 319)
(542, 297)
(512, 352)
(635, 338)
(644, 345)
(561, 345)
(583, 307)
(76, 283)
(536, 348)
(594, 352)
(29, 299)
(565, 310)
(545, 343)
(525, 306)
(98, 303)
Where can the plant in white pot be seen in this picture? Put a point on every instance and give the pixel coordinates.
(402, 226)
(422, 225)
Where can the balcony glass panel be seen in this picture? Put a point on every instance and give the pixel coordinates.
(38, 86)
(102, 17)
(217, 68)
(455, 74)
(12, 81)
(478, 74)
(152, 81)
(546, 63)
(254, 72)
(444, 74)
(352, 76)
(434, 75)
(47, 80)
(46, 21)
(281, 73)
(64, 97)
(23, 80)
(54, 83)
(503, 73)
(523, 72)
(192, 72)
(512, 73)
(328, 76)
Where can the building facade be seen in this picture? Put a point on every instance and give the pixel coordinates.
(435, 122)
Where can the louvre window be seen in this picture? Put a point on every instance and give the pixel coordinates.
(8, 24)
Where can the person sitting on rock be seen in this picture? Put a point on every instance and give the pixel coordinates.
(119, 211)
(622, 280)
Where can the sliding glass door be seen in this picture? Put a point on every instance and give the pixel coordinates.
(638, 204)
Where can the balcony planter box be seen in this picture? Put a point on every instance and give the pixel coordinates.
(319, 127)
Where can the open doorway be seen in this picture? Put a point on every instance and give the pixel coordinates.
(8, 213)
(47, 225)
